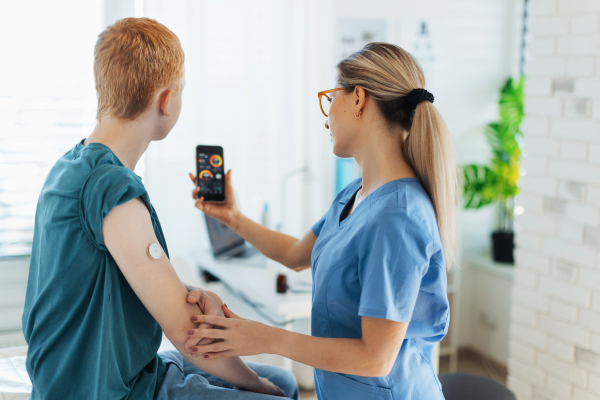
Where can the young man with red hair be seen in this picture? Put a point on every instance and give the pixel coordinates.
(101, 288)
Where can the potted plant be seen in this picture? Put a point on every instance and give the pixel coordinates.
(497, 182)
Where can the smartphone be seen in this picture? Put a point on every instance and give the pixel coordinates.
(210, 170)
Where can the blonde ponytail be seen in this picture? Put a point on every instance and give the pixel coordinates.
(388, 74)
(430, 151)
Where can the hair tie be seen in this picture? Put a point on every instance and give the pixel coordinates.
(416, 96)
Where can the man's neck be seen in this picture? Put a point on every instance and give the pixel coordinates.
(127, 139)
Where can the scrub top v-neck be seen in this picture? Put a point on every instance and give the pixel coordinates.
(384, 260)
(346, 210)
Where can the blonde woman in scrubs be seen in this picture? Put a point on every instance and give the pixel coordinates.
(379, 255)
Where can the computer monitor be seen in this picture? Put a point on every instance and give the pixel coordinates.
(222, 238)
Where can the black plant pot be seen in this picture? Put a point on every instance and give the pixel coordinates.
(503, 244)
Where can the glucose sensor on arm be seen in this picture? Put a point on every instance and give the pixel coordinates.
(154, 251)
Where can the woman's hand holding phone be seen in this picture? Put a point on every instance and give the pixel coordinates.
(227, 212)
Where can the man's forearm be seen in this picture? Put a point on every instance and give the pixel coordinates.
(230, 369)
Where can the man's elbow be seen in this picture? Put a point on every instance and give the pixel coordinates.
(178, 335)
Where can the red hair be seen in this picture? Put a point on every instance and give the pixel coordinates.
(133, 58)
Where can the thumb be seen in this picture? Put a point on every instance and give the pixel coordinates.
(194, 296)
(228, 313)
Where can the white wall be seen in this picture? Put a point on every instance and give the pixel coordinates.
(478, 48)
(245, 91)
(275, 72)
(478, 51)
(555, 330)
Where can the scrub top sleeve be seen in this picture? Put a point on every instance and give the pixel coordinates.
(106, 187)
(393, 256)
(319, 225)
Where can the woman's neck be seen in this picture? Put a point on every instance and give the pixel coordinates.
(381, 160)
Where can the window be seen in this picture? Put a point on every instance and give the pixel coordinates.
(47, 102)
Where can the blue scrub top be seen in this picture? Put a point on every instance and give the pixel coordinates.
(384, 260)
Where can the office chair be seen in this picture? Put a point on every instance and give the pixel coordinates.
(461, 386)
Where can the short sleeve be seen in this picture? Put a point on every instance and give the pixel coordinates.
(393, 256)
(106, 187)
(319, 225)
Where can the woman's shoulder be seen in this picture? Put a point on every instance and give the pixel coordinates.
(408, 196)
(407, 205)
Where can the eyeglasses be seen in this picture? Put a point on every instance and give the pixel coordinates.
(325, 100)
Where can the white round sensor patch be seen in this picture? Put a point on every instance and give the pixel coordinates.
(154, 251)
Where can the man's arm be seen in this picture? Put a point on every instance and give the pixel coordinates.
(127, 231)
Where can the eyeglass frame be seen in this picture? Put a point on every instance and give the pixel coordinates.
(324, 93)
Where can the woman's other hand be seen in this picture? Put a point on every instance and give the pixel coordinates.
(209, 305)
(234, 336)
(227, 212)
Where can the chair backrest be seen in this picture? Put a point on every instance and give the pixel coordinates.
(461, 386)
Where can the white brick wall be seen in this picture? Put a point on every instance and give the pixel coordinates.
(555, 316)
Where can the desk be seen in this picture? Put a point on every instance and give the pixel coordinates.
(255, 285)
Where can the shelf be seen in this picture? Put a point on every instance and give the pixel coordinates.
(484, 263)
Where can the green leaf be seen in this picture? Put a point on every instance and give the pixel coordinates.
(478, 183)
(484, 184)
(511, 102)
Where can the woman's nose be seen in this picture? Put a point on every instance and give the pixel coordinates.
(326, 124)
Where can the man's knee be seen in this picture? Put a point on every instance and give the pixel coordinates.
(286, 381)
(279, 376)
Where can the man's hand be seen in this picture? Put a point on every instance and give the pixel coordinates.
(268, 387)
(209, 304)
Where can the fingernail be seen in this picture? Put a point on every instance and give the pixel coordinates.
(225, 305)
(194, 318)
(206, 356)
(193, 297)
(190, 332)
(194, 349)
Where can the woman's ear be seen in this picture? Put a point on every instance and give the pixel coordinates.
(359, 100)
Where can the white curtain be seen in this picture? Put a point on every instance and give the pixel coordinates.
(47, 104)
(247, 90)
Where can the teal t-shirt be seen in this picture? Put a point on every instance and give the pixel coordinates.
(89, 335)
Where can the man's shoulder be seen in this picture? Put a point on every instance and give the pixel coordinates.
(72, 171)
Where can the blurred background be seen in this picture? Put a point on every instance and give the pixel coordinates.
(515, 80)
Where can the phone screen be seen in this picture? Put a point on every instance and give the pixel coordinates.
(211, 172)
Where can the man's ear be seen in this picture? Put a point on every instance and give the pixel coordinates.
(165, 101)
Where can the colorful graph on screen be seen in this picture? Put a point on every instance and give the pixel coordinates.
(215, 160)
(211, 174)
